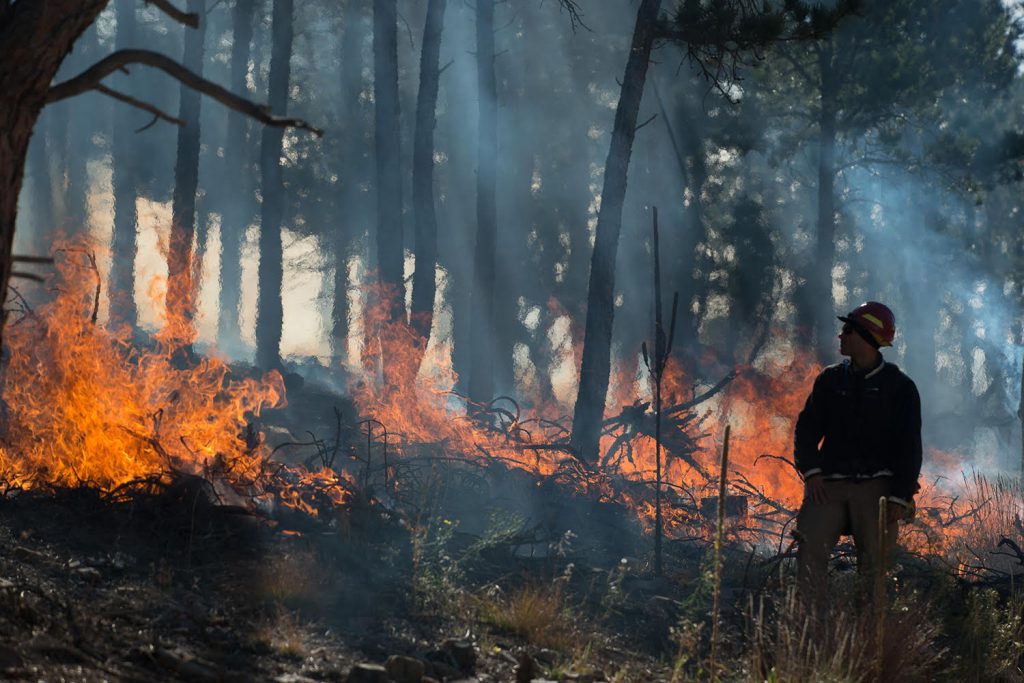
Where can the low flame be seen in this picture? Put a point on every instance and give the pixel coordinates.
(85, 406)
(411, 395)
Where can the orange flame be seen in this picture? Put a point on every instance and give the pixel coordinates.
(414, 400)
(84, 406)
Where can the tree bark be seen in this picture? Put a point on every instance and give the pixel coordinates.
(390, 253)
(77, 142)
(691, 290)
(820, 280)
(235, 199)
(423, 284)
(181, 284)
(481, 372)
(34, 40)
(596, 361)
(42, 197)
(270, 313)
(123, 181)
(353, 160)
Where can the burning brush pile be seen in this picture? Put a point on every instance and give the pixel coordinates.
(89, 407)
(84, 405)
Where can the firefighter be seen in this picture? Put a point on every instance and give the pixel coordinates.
(858, 439)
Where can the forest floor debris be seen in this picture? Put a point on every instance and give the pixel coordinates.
(157, 589)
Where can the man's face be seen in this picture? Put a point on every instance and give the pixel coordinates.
(850, 342)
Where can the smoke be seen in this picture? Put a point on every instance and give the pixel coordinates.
(735, 185)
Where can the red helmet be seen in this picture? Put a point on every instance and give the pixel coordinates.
(874, 318)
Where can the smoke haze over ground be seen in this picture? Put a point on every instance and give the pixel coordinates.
(927, 212)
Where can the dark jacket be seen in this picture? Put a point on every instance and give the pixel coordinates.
(870, 422)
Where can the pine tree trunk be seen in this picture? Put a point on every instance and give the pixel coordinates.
(390, 251)
(77, 143)
(35, 38)
(236, 199)
(17, 120)
(423, 286)
(43, 215)
(820, 281)
(596, 362)
(353, 163)
(481, 373)
(181, 286)
(123, 181)
(691, 290)
(270, 313)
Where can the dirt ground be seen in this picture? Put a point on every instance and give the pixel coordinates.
(167, 587)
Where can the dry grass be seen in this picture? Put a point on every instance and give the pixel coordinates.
(967, 516)
(990, 639)
(535, 612)
(282, 633)
(294, 580)
(794, 645)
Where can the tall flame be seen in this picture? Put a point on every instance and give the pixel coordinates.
(414, 401)
(85, 405)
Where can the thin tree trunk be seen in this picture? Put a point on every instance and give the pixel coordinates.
(423, 285)
(696, 232)
(821, 270)
(42, 226)
(353, 161)
(389, 172)
(270, 314)
(77, 144)
(481, 373)
(123, 181)
(596, 362)
(181, 286)
(236, 199)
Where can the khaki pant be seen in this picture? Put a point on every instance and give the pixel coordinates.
(852, 507)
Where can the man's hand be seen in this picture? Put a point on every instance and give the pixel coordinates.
(894, 512)
(814, 489)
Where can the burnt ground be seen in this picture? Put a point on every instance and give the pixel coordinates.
(165, 586)
(453, 571)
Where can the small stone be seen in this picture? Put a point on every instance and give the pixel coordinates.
(462, 652)
(405, 669)
(367, 673)
(23, 553)
(90, 574)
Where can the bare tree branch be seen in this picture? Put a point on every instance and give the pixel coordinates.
(145, 106)
(575, 14)
(91, 77)
(27, 276)
(173, 12)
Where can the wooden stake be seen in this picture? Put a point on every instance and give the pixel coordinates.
(656, 367)
(883, 529)
(719, 532)
(1020, 416)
